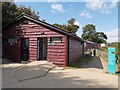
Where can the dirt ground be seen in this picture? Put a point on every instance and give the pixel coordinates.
(46, 75)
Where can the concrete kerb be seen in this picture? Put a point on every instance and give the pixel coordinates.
(104, 65)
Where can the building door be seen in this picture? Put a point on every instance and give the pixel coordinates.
(24, 49)
(42, 48)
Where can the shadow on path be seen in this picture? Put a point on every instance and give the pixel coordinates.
(94, 63)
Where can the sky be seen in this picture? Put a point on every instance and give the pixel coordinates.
(104, 15)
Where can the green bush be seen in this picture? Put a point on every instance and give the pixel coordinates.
(115, 44)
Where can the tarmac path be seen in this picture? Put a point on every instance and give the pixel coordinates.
(57, 77)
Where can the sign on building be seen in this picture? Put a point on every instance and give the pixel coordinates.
(111, 60)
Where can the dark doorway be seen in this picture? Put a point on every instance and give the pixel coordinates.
(42, 48)
(24, 49)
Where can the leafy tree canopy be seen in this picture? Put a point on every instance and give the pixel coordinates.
(90, 33)
(117, 46)
(70, 26)
(10, 11)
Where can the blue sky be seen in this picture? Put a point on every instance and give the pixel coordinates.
(103, 15)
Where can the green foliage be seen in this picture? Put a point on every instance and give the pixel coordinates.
(104, 48)
(71, 21)
(63, 27)
(27, 10)
(11, 11)
(89, 33)
(114, 44)
(117, 46)
(69, 27)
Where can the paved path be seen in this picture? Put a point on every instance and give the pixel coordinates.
(60, 78)
(15, 72)
(94, 63)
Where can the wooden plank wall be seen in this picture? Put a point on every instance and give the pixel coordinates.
(55, 53)
(75, 49)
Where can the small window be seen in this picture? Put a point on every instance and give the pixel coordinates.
(25, 22)
(56, 39)
(12, 40)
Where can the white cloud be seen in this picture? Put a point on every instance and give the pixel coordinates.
(101, 6)
(85, 14)
(52, 0)
(114, 3)
(95, 4)
(79, 32)
(78, 24)
(112, 35)
(57, 7)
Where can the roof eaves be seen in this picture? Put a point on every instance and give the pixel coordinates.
(16, 19)
(46, 24)
(41, 22)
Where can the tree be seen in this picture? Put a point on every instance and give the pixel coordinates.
(89, 33)
(70, 26)
(11, 11)
(117, 46)
(27, 10)
(71, 21)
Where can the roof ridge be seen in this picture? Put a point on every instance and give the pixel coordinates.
(43, 23)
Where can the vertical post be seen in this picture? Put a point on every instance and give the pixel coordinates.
(1, 44)
(111, 60)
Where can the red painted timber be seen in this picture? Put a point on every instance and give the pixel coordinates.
(33, 32)
(56, 54)
(66, 50)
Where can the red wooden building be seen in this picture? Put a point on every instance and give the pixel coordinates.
(88, 45)
(26, 38)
